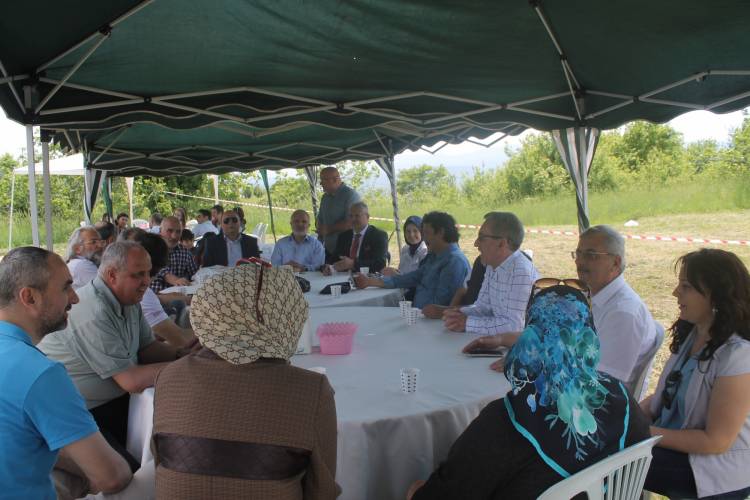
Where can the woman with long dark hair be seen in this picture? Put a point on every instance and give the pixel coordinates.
(701, 406)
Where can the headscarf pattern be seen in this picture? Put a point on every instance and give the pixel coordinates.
(241, 321)
(568, 410)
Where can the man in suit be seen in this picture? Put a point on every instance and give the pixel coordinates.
(230, 245)
(361, 246)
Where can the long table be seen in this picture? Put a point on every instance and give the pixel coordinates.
(386, 439)
(366, 297)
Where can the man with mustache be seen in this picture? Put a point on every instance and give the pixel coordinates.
(299, 249)
(84, 252)
(182, 266)
(108, 347)
(42, 415)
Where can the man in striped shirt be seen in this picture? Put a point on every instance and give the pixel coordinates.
(509, 276)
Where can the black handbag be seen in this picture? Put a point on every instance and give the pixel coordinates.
(303, 284)
(345, 288)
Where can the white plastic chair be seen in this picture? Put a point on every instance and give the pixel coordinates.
(617, 477)
(640, 387)
(257, 229)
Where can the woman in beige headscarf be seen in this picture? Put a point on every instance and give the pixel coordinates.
(235, 419)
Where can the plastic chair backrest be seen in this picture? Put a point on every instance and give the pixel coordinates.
(617, 477)
(256, 229)
(640, 387)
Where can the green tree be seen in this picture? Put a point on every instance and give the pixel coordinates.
(290, 190)
(426, 180)
(535, 169)
(640, 139)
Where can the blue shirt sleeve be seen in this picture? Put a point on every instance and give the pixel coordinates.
(276, 258)
(451, 278)
(318, 256)
(407, 280)
(57, 410)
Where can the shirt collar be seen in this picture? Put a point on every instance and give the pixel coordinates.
(229, 240)
(507, 262)
(361, 233)
(307, 239)
(15, 332)
(102, 289)
(608, 291)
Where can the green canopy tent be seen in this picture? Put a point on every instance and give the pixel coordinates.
(410, 73)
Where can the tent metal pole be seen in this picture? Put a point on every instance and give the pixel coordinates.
(312, 179)
(33, 207)
(47, 196)
(215, 179)
(103, 36)
(129, 187)
(10, 218)
(114, 141)
(12, 88)
(264, 176)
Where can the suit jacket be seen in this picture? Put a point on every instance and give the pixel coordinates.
(214, 251)
(372, 249)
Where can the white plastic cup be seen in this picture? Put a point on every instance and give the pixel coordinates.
(318, 369)
(336, 291)
(409, 380)
(364, 271)
(412, 315)
(404, 307)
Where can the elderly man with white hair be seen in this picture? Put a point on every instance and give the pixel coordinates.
(299, 249)
(83, 254)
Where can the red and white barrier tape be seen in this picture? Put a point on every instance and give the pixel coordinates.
(680, 239)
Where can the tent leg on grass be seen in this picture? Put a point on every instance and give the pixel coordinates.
(577, 146)
(388, 165)
(33, 208)
(264, 176)
(47, 195)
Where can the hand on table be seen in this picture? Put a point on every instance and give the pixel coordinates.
(454, 320)
(325, 269)
(433, 311)
(296, 266)
(180, 282)
(344, 264)
(361, 280)
(389, 271)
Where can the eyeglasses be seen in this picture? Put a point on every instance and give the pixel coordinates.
(671, 386)
(587, 254)
(543, 283)
(482, 237)
(231, 220)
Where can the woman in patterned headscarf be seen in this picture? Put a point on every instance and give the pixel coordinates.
(560, 416)
(235, 419)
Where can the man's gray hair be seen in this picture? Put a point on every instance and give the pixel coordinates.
(23, 267)
(76, 239)
(507, 225)
(116, 256)
(361, 205)
(129, 233)
(613, 241)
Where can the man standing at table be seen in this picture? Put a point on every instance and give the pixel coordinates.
(299, 249)
(182, 266)
(41, 412)
(230, 245)
(333, 216)
(83, 255)
(362, 246)
(440, 274)
(108, 348)
(509, 276)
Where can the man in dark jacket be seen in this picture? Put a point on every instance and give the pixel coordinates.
(361, 246)
(230, 245)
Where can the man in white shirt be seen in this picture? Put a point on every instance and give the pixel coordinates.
(204, 224)
(627, 331)
(509, 276)
(83, 255)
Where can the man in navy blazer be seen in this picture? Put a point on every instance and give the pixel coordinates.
(361, 246)
(230, 245)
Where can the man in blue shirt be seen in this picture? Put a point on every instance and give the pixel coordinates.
(440, 274)
(299, 249)
(41, 412)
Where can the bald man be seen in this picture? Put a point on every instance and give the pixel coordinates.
(299, 249)
(333, 216)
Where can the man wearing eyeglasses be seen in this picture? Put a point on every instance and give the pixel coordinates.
(509, 275)
(83, 255)
(333, 216)
(628, 334)
(230, 245)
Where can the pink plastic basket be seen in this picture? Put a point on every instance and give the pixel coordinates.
(336, 338)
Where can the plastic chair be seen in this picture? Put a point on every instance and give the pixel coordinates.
(617, 477)
(640, 387)
(256, 229)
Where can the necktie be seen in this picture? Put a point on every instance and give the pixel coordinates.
(355, 246)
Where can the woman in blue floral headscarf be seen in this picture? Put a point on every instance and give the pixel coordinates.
(560, 416)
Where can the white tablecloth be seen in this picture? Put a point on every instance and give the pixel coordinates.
(386, 439)
(367, 297)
